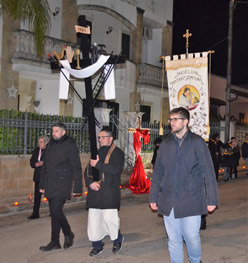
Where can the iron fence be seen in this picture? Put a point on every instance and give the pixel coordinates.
(154, 133)
(19, 131)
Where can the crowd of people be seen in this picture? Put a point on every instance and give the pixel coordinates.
(183, 187)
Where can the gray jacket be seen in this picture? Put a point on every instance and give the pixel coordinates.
(183, 177)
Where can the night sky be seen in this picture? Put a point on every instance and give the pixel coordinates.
(208, 21)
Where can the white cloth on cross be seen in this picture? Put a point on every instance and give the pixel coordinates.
(80, 74)
(109, 87)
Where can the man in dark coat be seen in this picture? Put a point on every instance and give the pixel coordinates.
(183, 186)
(234, 158)
(103, 198)
(36, 162)
(245, 152)
(61, 168)
(157, 143)
(215, 146)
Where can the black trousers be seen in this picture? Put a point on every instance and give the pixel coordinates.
(37, 198)
(58, 219)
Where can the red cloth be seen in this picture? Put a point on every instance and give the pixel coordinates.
(139, 183)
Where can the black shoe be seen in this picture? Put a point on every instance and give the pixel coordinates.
(96, 252)
(52, 245)
(117, 247)
(33, 217)
(69, 240)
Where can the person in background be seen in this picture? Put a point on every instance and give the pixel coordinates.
(157, 143)
(245, 152)
(215, 145)
(61, 172)
(36, 162)
(227, 161)
(234, 158)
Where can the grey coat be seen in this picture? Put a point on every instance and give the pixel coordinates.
(184, 177)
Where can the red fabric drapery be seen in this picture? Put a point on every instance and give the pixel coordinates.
(139, 183)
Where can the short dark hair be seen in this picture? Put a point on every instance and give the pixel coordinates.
(182, 111)
(60, 125)
(108, 130)
(215, 135)
(186, 89)
(158, 140)
(233, 138)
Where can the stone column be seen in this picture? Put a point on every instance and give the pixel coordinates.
(131, 122)
(167, 40)
(69, 20)
(9, 78)
(166, 51)
(137, 36)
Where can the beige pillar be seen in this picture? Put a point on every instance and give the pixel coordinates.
(8, 77)
(69, 20)
(166, 111)
(66, 106)
(136, 55)
(167, 40)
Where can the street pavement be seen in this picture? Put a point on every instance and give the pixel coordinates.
(224, 241)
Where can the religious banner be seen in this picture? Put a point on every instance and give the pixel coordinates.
(188, 88)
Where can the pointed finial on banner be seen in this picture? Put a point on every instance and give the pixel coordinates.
(187, 35)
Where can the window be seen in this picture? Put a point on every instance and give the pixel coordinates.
(125, 46)
(146, 117)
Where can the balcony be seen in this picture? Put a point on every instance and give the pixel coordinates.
(25, 56)
(151, 75)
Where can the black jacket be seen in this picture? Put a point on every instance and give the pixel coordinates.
(108, 197)
(235, 156)
(245, 150)
(61, 167)
(183, 177)
(33, 160)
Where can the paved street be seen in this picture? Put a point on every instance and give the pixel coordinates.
(224, 240)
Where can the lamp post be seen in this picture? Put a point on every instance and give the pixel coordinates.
(229, 72)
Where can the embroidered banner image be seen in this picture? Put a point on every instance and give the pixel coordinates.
(188, 88)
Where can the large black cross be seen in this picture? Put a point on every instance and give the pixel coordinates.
(91, 94)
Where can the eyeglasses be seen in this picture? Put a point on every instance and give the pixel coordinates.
(101, 137)
(175, 119)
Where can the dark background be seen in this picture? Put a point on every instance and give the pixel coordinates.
(208, 22)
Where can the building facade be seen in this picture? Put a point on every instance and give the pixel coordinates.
(142, 30)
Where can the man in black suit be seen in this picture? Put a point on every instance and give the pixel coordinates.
(61, 168)
(36, 162)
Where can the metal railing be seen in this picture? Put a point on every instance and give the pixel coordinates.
(26, 49)
(151, 75)
(19, 131)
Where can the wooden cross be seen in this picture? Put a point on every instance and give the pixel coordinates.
(187, 35)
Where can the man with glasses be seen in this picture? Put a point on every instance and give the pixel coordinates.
(183, 186)
(103, 198)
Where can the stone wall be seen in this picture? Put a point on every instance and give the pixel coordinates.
(16, 175)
